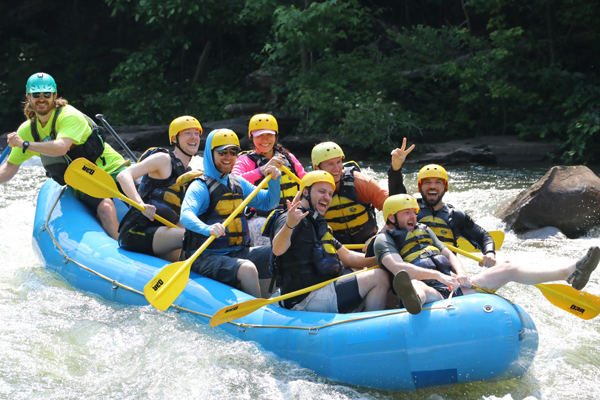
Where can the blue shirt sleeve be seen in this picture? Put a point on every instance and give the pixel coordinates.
(265, 199)
(195, 203)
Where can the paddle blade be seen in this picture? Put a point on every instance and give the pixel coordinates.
(464, 244)
(581, 304)
(238, 310)
(87, 177)
(167, 285)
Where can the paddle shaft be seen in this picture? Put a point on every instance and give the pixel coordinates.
(235, 311)
(114, 134)
(464, 253)
(5, 153)
(291, 174)
(113, 191)
(187, 265)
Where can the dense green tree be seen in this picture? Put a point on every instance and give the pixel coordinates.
(373, 71)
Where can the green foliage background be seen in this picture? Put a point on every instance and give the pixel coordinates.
(372, 71)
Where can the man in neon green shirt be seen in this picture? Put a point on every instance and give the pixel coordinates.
(59, 133)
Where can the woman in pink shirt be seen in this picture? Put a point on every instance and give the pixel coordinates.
(251, 166)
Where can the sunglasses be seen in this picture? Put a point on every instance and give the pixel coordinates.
(232, 152)
(46, 95)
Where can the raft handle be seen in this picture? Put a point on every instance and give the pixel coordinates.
(313, 331)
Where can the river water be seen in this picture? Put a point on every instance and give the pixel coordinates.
(57, 342)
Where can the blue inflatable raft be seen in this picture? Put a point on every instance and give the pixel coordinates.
(471, 338)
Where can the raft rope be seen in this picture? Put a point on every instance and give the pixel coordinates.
(241, 327)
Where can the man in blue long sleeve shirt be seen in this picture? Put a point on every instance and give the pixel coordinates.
(209, 201)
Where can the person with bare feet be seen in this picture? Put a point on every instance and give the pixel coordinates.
(425, 270)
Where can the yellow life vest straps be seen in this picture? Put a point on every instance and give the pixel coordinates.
(440, 228)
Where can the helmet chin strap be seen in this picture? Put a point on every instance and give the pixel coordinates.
(307, 197)
(180, 149)
(395, 223)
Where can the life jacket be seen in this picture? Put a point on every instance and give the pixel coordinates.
(446, 222)
(310, 260)
(438, 224)
(413, 244)
(165, 194)
(288, 186)
(224, 200)
(417, 248)
(91, 149)
(352, 221)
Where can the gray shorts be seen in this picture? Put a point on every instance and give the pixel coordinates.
(224, 268)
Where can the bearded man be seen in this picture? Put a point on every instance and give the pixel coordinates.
(59, 133)
(447, 222)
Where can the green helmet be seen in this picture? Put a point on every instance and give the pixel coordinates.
(40, 82)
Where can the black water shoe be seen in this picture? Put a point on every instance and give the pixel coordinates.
(406, 291)
(584, 268)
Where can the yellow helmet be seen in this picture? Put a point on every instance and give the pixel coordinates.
(433, 171)
(316, 176)
(262, 121)
(224, 138)
(182, 123)
(325, 151)
(398, 202)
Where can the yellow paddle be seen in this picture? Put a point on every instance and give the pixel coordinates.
(164, 288)
(464, 244)
(87, 177)
(239, 310)
(577, 302)
(291, 174)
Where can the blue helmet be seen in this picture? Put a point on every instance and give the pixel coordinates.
(40, 82)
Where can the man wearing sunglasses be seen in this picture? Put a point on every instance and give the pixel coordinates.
(209, 201)
(59, 133)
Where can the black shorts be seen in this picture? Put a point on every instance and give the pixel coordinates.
(348, 296)
(91, 202)
(94, 202)
(138, 239)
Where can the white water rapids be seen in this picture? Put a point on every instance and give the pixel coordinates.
(57, 342)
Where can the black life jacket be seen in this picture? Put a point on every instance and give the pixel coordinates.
(288, 186)
(165, 194)
(91, 149)
(352, 221)
(446, 223)
(310, 260)
(223, 201)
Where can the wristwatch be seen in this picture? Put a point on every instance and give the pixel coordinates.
(25, 146)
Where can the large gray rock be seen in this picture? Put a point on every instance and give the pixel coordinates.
(567, 198)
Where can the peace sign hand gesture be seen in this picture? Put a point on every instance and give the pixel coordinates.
(294, 215)
(399, 155)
